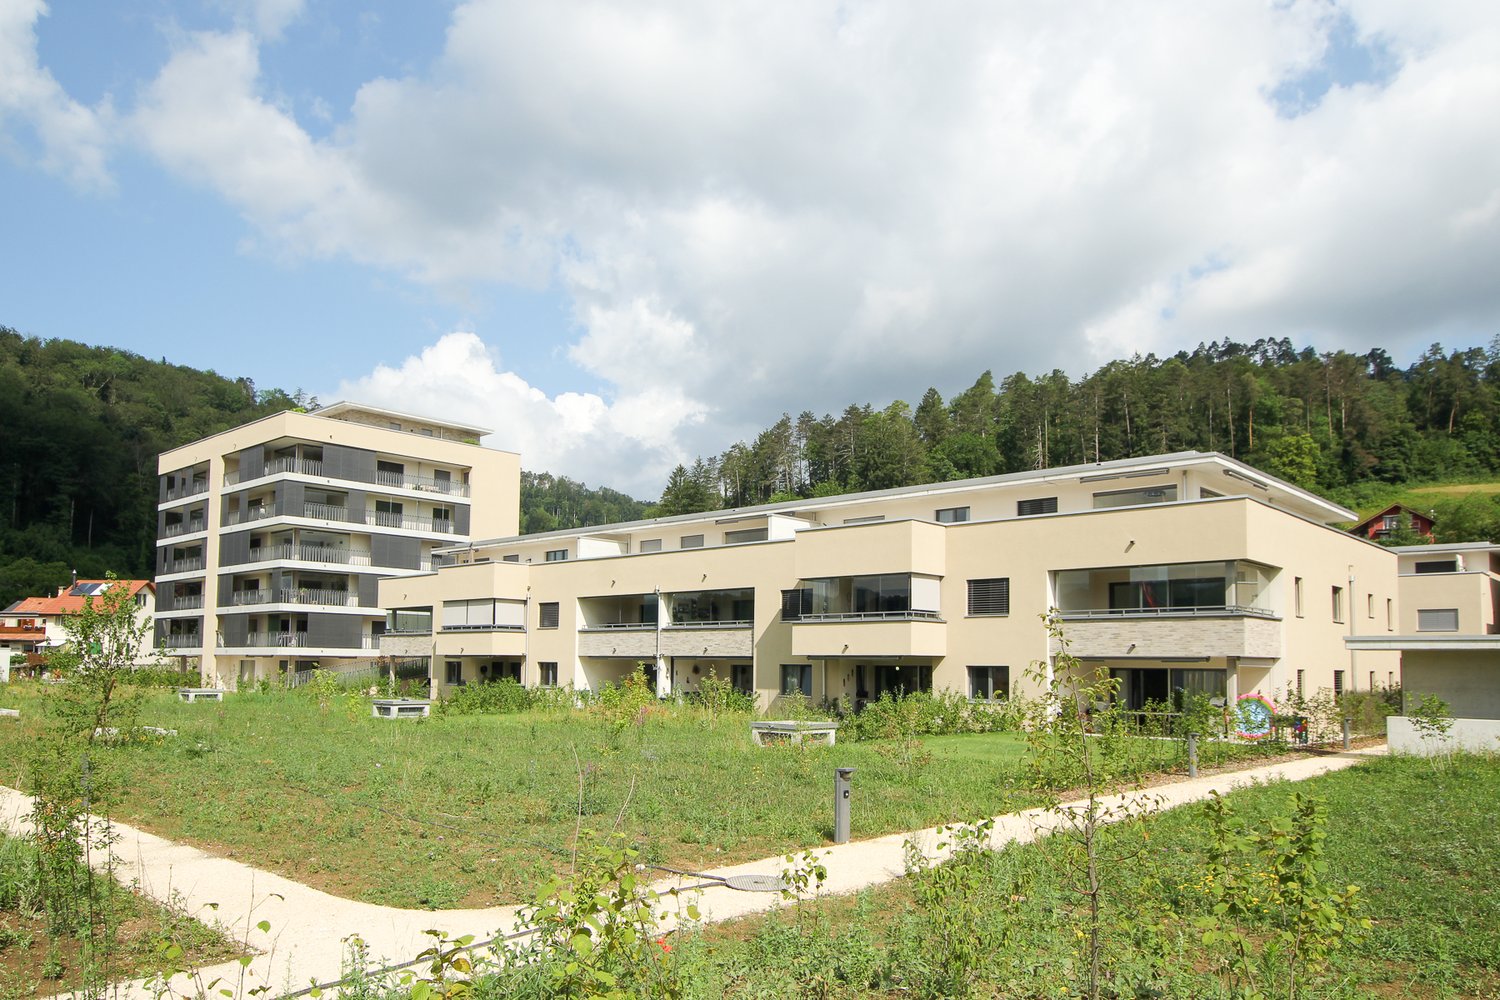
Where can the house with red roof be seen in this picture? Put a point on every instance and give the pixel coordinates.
(34, 625)
(1385, 523)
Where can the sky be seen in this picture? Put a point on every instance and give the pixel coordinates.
(623, 235)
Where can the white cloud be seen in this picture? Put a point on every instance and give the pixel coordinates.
(754, 208)
(73, 138)
(629, 444)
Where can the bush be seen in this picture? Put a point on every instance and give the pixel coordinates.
(502, 697)
(922, 714)
(163, 677)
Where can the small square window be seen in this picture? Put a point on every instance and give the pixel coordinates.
(796, 678)
(454, 672)
(548, 673)
(989, 683)
(650, 545)
(547, 614)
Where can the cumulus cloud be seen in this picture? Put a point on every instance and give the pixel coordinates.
(753, 208)
(73, 138)
(624, 444)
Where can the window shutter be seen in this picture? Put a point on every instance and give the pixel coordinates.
(1437, 620)
(989, 597)
(1040, 505)
(547, 615)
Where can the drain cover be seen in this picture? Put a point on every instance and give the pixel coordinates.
(755, 883)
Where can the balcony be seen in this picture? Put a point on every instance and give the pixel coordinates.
(409, 522)
(1203, 632)
(880, 634)
(325, 512)
(273, 640)
(190, 565)
(185, 602)
(258, 513)
(328, 555)
(313, 467)
(244, 598)
(183, 528)
(709, 638)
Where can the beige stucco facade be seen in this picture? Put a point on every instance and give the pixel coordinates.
(844, 597)
(272, 535)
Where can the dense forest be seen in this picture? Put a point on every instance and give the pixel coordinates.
(1351, 426)
(80, 429)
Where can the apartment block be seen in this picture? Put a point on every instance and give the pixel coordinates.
(272, 537)
(1188, 572)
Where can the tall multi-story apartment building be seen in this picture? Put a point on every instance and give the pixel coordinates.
(1182, 572)
(272, 536)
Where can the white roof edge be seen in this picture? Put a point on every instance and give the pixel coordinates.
(346, 406)
(1177, 459)
(1440, 547)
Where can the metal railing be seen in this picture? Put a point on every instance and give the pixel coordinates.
(321, 598)
(313, 467)
(184, 566)
(1195, 611)
(309, 553)
(189, 490)
(325, 512)
(256, 513)
(731, 623)
(240, 598)
(296, 639)
(867, 616)
(185, 602)
(409, 522)
(182, 640)
(481, 628)
(183, 528)
(603, 626)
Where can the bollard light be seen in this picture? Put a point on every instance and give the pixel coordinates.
(841, 776)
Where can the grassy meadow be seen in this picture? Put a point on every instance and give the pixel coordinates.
(474, 810)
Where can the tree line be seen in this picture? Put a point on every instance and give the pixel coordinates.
(1328, 421)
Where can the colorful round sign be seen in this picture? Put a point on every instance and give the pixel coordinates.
(1254, 712)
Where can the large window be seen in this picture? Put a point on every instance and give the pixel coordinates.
(886, 595)
(409, 620)
(989, 597)
(1240, 587)
(707, 606)
(796, 678)
(1438, 566)
(1135, 497)
(485, 613)
(989, 683)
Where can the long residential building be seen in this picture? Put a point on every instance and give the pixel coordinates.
(273, 536)
(1188, 572)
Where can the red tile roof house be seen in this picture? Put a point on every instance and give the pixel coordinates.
(33, 625)
(1378, 526)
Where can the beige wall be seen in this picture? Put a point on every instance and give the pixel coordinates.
(1471, 593)
(1469, 681)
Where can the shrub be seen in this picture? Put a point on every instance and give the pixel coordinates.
(502, 697)
(922, 714)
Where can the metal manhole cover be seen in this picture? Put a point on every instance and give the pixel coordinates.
(755, 883)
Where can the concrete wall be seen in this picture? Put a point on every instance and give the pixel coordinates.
(1469, 681)
(1479, 735)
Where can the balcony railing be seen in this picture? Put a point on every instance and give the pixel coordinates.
(256, 513)
(313, 467)
(321, 598)
(1196, 611)
(188, 490)
(475, 628)
(184, 565)
(309, 553)
(734, 623)
(182, 640)
(868, 616)
(325, 512)
(295, 639)
(183, 528)
(185, 602)
(409, 522)
(240, 598)
(603, 626)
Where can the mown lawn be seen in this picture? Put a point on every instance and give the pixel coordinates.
(1420, 842)
(476, 810)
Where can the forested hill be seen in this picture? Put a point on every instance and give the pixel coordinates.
(80, 429)
(1350, 426)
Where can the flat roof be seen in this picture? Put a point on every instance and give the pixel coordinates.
(344, 406)
(1119, 468)
(1440, 547)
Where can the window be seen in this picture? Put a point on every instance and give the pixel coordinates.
(442, 519)
(455, 671)
(388, 513)
(1372, 680)
(796, 678)
(1297, 595)
(1390, 522)
(389, 473)
(989, 597)
(547, 615)
(989, 683)
(650, 545)
(1370, 605)
(411, 620)
(1390, 614)
(745, 535)
(1040, 505)
(548, 671)
(513, 557)
(952, 515)
(1438, 566)
(1338, 683)
(557, 555)
(864, 520)
(1338, 604)
(1301, 683)
(691, 542)
(1131, 498)
(794, 603)
(1437, 620)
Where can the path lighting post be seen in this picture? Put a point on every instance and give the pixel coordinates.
(841, 777)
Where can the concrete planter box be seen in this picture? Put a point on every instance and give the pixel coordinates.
(1472, 735)
(201, 694)
(825, 732)
(401, 708)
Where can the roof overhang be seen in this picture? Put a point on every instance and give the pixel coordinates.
(1436, 643)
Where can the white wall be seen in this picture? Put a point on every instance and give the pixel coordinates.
(1466, 734)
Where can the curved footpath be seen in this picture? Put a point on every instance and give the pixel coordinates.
(308, 928)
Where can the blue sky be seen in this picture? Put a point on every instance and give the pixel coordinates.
(623, 235)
